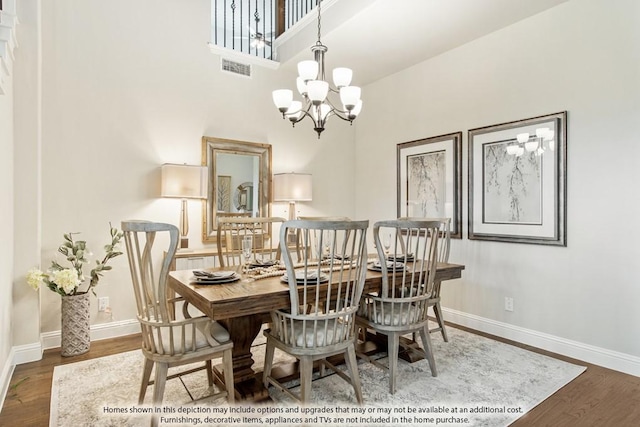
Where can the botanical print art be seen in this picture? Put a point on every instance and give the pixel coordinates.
(224, 193)
(512, 186)
(426, 187)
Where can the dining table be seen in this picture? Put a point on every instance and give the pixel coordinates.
(243, 307)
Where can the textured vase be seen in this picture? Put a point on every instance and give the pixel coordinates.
(75, 324)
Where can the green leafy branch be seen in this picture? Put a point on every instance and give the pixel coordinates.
(111, 252)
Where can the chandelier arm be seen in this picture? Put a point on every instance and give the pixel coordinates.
(335, 110)
(305, 113)
(340, 114)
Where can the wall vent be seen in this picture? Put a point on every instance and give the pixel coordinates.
(236, 67)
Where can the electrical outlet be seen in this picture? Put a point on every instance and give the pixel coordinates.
(508, 304)
(103, 303)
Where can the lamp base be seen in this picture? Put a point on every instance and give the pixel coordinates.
(292, 238)
(292, 210)
(184, 242)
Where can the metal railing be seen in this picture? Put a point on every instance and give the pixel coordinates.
(251, 26)
(295, 10)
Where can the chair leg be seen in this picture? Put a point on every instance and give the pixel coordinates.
(209, 369)
(393, 345)
(268, 362)
(227, 365)
(306, 371)
(146, 374)
(426, 343)
(352, 365)
(158, 389)
(362, 333)
(437, 310)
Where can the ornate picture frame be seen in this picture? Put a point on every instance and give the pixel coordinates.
(517, 181)
(230, 164)
(430, 179)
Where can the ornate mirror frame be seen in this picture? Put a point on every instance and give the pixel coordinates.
(211, 148)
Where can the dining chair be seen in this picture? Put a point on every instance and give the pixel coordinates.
(324, 294)
(407, 291)
(262, 229)
(168, 342)
(443, 256)
(314, 245)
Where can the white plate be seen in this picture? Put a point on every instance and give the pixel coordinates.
(391, 266)
(311, 277)
(213, 274)
(400, 258)
(216, 281)
(267, 263)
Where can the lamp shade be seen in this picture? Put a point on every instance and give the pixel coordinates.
(292, 187)
(184, 181)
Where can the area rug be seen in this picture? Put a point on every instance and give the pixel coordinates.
(480, 382)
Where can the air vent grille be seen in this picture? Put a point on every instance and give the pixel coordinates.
(237, 68)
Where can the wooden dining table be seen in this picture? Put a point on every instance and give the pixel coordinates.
(243, 307)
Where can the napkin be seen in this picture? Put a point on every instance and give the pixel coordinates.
(213, 274)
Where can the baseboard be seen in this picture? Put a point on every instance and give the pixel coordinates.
(27, 353)
(598, 356)
(100, 331)
(33, 352)
(5, 377)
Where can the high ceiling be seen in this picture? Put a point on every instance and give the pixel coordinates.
(377, 38)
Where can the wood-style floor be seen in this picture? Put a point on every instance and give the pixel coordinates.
(598, 397)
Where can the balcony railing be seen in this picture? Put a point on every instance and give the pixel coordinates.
(251, 26)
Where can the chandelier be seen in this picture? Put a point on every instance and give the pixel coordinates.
(313, 87)
(534, 143)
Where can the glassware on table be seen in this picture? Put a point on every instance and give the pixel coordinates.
(326, 250)
(247, 251)
(386, 242)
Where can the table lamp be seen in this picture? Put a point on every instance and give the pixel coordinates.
(184, 182)
(292, 188)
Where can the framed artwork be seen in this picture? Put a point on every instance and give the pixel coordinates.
(517, 181)
(429, 179)
(224, 193)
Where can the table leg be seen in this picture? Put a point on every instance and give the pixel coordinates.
(248, 383)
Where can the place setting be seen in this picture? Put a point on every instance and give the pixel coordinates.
(310, 276)
(203, 277)
(257, 263)
(391, 266)
(400, 257)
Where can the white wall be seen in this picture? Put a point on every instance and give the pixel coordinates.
(6, 229)
(583, 57)
(6, 194)
(27, 157)
(128, 86)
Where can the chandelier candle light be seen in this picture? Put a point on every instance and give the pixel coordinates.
(534, 143)
(315, 89)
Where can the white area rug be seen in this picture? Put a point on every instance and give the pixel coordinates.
(480, 382)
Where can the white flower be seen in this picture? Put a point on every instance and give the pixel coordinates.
(66, 279)
(34, 278)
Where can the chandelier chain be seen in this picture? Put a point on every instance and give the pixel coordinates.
(319, 26)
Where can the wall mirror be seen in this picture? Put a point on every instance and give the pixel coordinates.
(239, 181)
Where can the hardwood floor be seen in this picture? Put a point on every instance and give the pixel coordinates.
(28, 403)
(598, 397)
